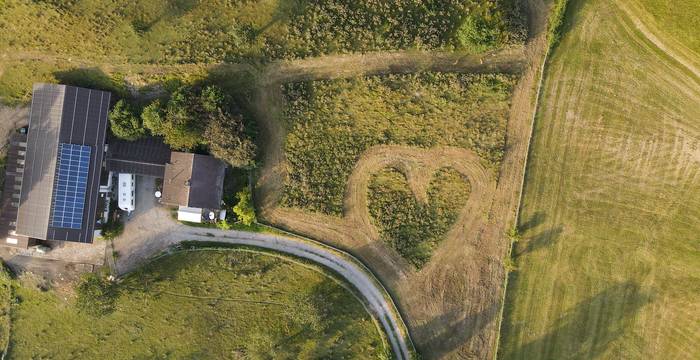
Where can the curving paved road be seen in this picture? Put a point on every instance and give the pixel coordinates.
(153, 231)
(375, 295)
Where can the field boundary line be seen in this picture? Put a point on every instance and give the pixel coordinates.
(520, 193)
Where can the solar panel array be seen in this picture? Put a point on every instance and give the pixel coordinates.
(70, 185)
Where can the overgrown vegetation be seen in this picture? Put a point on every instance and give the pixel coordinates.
(172, 31)
(193, 117)
(97, 295)
(556, 21)
(332, 122)
(205, 304)
(112, 229)
(244, 209)
(414, 228)
(6, 300)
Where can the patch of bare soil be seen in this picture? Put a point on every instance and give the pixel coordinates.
(453, 304)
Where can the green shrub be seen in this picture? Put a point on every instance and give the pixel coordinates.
(97, 295)
(244, 210)
(556, 22)
(125, 123)
(112, 229)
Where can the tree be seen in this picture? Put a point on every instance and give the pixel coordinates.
(152, 118)
(244, 210)
(183, 125)
(124, 122)
(228, 141)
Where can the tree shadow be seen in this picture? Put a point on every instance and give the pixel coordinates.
(286, 10)
(585, 331)
(544, 239)
(535, 220)
(92, 78)
(448, 332)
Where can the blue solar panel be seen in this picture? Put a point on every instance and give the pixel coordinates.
(69, 186)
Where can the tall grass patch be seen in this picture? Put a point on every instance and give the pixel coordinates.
(411, 227)
(332, 122)
(175, 31)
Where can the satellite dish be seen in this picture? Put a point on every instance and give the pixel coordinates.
(158, 194)
(211, 215)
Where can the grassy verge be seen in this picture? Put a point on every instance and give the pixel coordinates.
(6, 298)
(204, 304)
(411, 227)
(332, 122)
(608, 266)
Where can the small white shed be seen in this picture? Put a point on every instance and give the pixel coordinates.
(190, 214)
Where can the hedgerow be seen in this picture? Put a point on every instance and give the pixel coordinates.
(331, 123)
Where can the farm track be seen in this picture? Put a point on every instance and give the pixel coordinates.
(453, 305)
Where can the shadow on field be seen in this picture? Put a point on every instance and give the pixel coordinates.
(447, 332)
(92, 78)
(585, 331)
(544, 239)
(535, 220)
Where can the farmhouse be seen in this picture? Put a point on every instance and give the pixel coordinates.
(53, 178)
(191, 182)
(194, 183)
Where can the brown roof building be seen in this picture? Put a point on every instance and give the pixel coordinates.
(193, 180)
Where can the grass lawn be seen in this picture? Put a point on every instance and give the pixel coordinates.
(332, 122)
(609, 267)
(204, 304)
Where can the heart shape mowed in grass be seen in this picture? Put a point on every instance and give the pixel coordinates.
(411, 227)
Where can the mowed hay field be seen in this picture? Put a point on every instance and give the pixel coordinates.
(609, 266)
(216, 304)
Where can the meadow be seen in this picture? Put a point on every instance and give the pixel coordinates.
(210, 31)
(331, 123)
(203, 304)
(609, 267)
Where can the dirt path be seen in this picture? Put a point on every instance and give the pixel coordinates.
(453, 304)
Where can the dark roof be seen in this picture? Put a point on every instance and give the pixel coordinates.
(193, 180)
(146, 156)
(61, 114)
(11, 190)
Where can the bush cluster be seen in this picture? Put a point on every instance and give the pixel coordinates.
(190, 118)
(332, 122)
